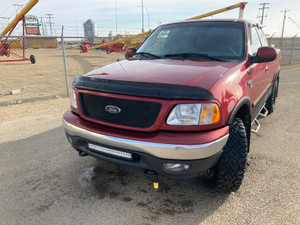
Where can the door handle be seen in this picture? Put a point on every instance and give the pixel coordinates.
(250, 83)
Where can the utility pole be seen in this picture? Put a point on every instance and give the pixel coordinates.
(143, 30)
(263, 11)
(50, 16)
(116, 17)
(148, 17)
(283, 24)
(42, 25)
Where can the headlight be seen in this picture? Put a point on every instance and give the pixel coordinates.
(194, 114)
(73, 99)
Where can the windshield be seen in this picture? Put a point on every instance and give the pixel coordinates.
(221, 41)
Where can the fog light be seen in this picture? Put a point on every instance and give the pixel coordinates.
(176, 167)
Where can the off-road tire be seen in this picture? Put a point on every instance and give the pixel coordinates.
(229, 172)
(270, 103)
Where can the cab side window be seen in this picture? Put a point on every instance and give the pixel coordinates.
(254, 41)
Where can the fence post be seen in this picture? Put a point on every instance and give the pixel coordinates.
(64, 58)
(292, 49)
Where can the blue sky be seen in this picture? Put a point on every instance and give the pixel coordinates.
(72, 13)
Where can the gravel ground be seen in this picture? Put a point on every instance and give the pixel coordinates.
(43, 181)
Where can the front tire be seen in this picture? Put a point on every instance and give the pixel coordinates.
(228, 174)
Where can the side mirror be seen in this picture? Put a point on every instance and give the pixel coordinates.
(130, 52)
(264, 54)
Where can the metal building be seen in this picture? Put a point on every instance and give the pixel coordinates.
(90, 30)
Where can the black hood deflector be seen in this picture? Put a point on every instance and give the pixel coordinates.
(142, 89)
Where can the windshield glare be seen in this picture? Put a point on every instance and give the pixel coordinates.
(223, 40)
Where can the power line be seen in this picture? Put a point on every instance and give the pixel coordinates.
(2, 13)
(263, 8)
(282, 7)
(294, 22)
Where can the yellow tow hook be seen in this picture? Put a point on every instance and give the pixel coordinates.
(155, 185)
(153, 176)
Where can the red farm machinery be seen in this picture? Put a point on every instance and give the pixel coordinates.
(5, 46)
(117, 47)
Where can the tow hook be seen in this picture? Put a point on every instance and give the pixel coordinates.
(82, 154)
(153, 176)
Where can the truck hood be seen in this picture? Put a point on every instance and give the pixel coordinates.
(182, 72)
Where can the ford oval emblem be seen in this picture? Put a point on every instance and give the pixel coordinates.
(112, 109)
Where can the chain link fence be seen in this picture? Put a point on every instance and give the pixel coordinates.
(58, 59)
(290, 49)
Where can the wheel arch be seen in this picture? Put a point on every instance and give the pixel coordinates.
(242, 110)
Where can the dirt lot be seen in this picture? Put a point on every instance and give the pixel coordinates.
(46, 78)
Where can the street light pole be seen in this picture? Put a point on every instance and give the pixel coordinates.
(148, 17)
(143, 30)
(116, 17)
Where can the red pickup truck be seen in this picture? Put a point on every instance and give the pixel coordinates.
(182, 105)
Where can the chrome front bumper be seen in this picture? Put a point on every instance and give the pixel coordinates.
(159, 150)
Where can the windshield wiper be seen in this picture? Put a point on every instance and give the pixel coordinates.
(147, 54)
(188, 55)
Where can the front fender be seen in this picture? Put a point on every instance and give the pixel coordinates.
(244, 104)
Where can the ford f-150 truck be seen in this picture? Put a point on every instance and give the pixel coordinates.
(182, 105)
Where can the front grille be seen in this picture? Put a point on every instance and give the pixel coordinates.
(133, 113)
